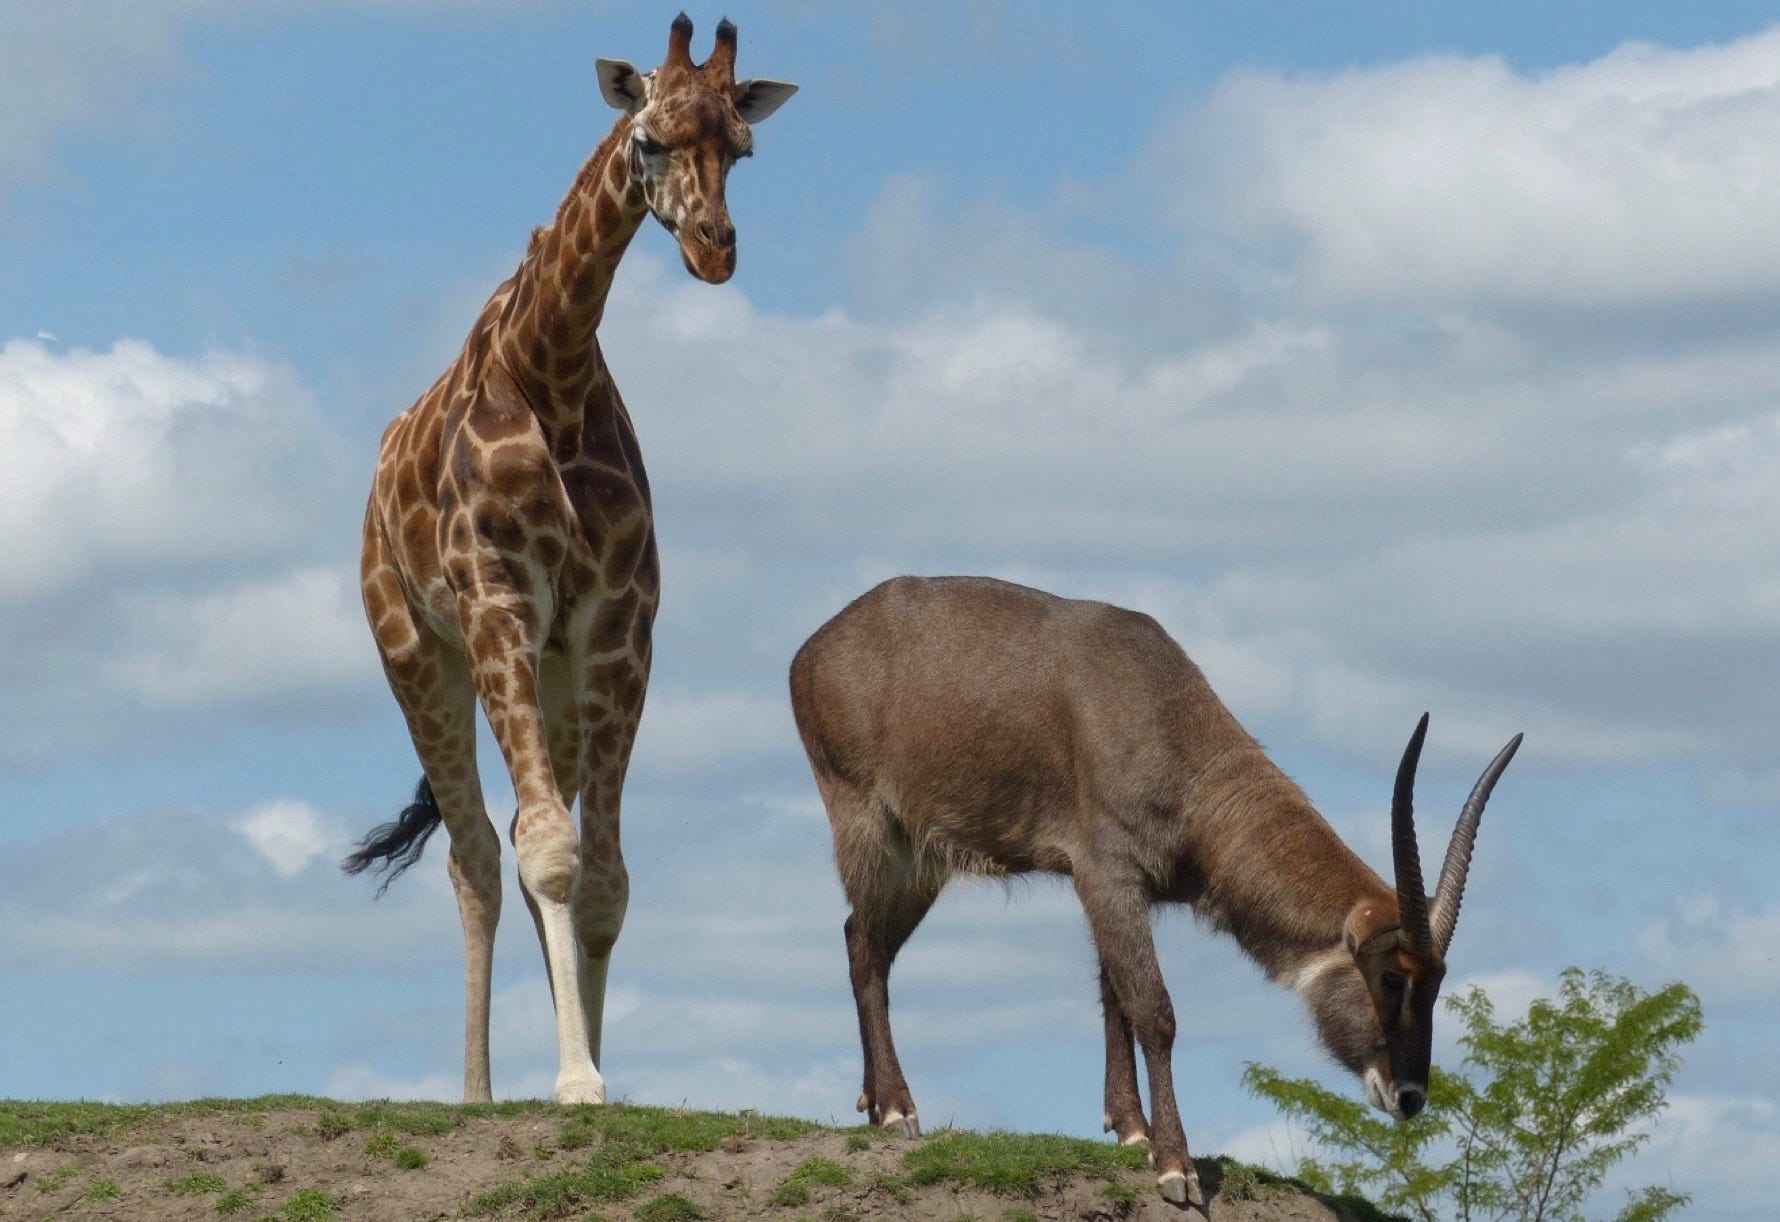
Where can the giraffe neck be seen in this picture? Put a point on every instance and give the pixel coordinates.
(558, 295)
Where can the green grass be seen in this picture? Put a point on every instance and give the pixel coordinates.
(795, 1191)
(614, 1153)
(102, 1189)
(622, 1143)
(557, 1194)
(1122, 1193)
(309, 1205)
(50, 1181)
(664, 1130)
(234, 1201)
(1012, 1164)
(386, 1145)
(197, 1184)
(670, 1207)
(28, 1123)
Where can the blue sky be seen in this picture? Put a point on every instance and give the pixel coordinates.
(1396, 356)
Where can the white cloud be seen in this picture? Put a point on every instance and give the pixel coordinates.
(172, 891)
(1723, 1148)
(129, 460)
(364, 1082)
(289, 834)
(1644, 175)
(170, 529)
(299, 632)
(1725, 951)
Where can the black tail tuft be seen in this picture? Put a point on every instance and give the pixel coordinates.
(390, 848)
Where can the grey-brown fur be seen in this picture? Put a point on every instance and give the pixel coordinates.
(965, 724)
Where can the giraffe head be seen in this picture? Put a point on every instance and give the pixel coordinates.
(688, 124)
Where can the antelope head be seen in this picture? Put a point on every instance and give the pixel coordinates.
(1379, 1021)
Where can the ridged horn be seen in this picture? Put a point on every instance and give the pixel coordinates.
(1451, 889)
(680, 42)
(1412, 900)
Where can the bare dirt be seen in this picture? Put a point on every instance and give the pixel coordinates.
(290, 1163)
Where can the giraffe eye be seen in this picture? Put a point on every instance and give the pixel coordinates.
(648, 146)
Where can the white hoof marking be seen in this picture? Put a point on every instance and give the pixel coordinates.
(1135, 1139)
(899, 1124)
(580, 1090)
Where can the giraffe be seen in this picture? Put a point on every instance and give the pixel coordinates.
(509, 551)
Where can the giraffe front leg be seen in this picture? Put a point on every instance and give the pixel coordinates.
(610, 707)
(505, 668)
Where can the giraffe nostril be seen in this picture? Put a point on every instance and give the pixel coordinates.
(720, 234)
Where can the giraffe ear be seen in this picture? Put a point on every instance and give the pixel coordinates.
(756, 99)
(623, 87)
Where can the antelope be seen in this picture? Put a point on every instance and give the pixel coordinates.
(969, 725)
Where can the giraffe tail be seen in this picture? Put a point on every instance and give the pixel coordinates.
(390, 848)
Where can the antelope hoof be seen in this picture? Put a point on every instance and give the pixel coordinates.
(1181, 1188)
(899, 1125)
(1138, 1136)
(864, 1104)
(580, 1090)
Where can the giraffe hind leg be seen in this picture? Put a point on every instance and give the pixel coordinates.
(431, 683)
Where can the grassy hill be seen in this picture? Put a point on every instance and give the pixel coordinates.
(300, 1159)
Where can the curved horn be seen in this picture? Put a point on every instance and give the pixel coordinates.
(723, 54)
(680, 42)
(1412, 901)
(1451, 889)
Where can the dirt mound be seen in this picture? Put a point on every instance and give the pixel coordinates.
(311, 1160)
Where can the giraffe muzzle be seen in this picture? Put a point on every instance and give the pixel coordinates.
(708, 250)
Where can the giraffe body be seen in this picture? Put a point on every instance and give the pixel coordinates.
(509, 551)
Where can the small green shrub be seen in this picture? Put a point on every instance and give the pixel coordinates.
(795, 1191)
(102, 1189)
(197, 1184)
(309, 1205)
(234, 1201)
(671, 1207)
(50, 1181)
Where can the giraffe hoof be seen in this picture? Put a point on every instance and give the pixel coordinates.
(899, 1125)
(580, 1090)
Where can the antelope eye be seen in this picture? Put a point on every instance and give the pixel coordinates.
(1393, 981)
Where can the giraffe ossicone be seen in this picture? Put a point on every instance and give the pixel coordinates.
(509, 551)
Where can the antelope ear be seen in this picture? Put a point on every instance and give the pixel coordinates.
(1369, 930)
(623, 87)
(756, 99)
